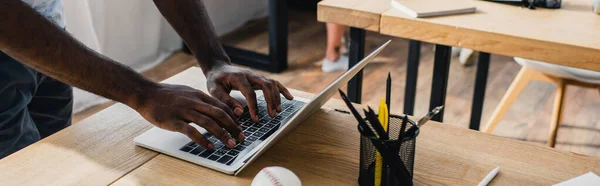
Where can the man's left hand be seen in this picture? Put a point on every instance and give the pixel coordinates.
(223, 79)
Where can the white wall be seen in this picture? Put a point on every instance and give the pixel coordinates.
(134, 33)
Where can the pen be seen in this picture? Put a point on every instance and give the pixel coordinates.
(413, 129)
(403, 127)
(365, 132)
(489, 177)
(361, 121)
(429, 115)
(371, 116)
(399, 140)
(384, 115)
(380, 174)
(388, 91)
(351, 107)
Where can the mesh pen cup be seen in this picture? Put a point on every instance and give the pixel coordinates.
(397, 159)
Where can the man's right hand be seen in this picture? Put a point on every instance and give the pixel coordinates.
(173, 107)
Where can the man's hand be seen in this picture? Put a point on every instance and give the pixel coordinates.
(191, 21)
(172, 107)
(224, 78)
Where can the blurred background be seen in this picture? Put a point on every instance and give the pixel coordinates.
(134, 33)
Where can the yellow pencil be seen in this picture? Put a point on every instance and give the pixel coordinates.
(383, 119)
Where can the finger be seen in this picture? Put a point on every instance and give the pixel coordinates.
(211, 126)
(238, 108)
(223, 95)
(219, 103)
(222, 119)
(286, 93)
(267, 89)
(195, 135)
(276, 95)
(250, 95)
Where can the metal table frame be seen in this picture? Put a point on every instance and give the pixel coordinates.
(276, 60)
(439, 83)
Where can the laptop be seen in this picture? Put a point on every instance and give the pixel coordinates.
(259, 136)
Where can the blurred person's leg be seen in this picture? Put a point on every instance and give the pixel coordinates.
(334, 60)
(335, 33)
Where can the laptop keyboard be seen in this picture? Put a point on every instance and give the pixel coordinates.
(254, 132)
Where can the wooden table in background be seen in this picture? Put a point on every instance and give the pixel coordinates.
(569, 36)
(324, 150)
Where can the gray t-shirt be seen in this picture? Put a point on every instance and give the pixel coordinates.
(51, 9)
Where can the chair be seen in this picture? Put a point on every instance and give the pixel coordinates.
(561, 76)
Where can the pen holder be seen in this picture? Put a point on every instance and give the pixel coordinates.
(397, 166)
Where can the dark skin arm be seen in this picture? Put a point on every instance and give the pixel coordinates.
(33, 40)
(190, 20)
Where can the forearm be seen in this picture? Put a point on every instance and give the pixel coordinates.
(33, 40)
(191, 21)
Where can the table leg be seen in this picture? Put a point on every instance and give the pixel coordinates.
(483, 65)
(276, 60)
(412, 73)
(441, 70)
(357, 53)
(278, 34)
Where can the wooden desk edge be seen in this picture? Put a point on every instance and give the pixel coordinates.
(496, 43)
(358, 19)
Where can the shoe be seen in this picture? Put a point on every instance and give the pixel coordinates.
(455, 51)
(331, 66)
(467, 57)
(345, 46)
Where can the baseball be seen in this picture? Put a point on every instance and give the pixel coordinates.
(276, 176)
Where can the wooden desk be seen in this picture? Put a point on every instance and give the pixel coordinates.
(569, 36)
(321, 151)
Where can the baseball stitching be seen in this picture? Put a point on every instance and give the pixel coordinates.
(273, 179)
